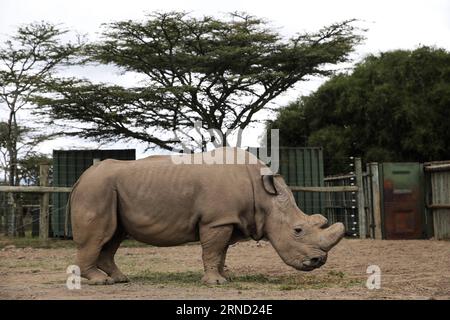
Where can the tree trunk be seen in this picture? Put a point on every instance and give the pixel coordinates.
(20, 228)
(224, 139)
(11, 212)
(16, 217)
(2, 215)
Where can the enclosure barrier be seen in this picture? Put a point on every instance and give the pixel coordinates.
(44, 190)
(438, 197)
(355, 199)
(359, 208)
(34, 189)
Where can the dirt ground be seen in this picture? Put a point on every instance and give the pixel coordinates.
(409, 270)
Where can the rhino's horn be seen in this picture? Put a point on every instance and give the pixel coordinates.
(330, 236)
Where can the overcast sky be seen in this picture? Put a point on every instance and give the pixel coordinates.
(394, 24)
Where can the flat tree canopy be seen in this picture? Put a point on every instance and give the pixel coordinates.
(394, 106)
(217, 71)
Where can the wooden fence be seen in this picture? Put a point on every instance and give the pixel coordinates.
(353, 199)
(44, 191)
(336, 191)
(438, 197)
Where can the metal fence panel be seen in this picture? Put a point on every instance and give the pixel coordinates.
(303, 167)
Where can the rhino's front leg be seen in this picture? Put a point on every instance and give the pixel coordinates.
(214, 241)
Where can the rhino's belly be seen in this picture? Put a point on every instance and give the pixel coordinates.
(158, 211)
(158, 230)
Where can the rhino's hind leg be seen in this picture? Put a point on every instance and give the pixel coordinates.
(87, 261)
(92, 229)
(106, 261)
(214, 241)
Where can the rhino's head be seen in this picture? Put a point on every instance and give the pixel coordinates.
(301, 240)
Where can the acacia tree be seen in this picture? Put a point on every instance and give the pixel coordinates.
(27, 61)
(217, 71)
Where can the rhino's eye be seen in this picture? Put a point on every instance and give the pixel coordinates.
(298, 231)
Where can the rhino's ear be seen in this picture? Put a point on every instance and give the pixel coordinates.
(269, 184)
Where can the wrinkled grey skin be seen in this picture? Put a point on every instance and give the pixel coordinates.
(161, 203)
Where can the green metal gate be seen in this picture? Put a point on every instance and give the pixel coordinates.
(403, 214)
(68, 165)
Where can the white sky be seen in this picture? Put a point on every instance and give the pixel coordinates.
(393, 24)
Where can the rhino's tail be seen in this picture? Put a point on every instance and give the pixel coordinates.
(67, 216)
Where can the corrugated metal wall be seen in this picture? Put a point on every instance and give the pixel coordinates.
(68, 165)
(439, 184)
(303, 167)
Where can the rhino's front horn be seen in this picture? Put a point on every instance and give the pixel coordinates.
(330, 236)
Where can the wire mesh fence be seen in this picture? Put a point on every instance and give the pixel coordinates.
(343, 206)
(19, 216)
(22, 218)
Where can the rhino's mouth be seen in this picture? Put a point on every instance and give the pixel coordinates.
(306, 268)
(313, 263)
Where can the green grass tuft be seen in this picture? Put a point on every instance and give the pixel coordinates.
(183, 278)
(250, 281)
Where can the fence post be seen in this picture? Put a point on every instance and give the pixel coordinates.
(376, 199)
(45, 197)
(361, 200)
(11, 216)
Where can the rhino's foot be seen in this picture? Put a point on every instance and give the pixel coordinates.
(120, 278)
(101, 281)
(114, 273)
(96, 277)
(213, 278)
(225, 273)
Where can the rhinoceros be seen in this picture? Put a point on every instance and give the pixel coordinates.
(162, 202)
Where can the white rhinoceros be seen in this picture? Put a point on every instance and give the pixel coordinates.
(161, 202)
